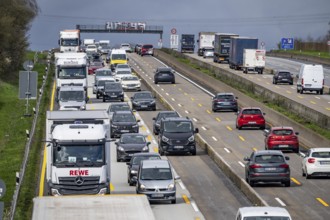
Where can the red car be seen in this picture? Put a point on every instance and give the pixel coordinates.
(147, 49)
(250, 117)
(94, 66)
(282, 138)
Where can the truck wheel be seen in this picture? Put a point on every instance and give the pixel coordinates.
(173, 201)
(103, 99)
(97, 96)
(301, 91)
(261, 71)
(321, 92)
(193, 152)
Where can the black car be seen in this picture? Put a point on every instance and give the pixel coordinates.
(113, 91)
(162, 115)
(134, 164)
(123, 122)
(282, 77)
(177, 135)
(130, 144)
(224, 101)
(164, 74)
(118, 106)
(99, 87)
(267, 166)
(143, 101)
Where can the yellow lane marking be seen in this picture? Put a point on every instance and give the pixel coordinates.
(149, 138)
(267, 83)
(143, 128)
(322, 202)
(53, 97)
(197, 218)
(299, 96)
(185, 198)
(200, 105)
(192, 99)
(313, 102)
(180, 89)
(328, 109)
(112, 188)
(288, 91)
(277, 87)
(185, 93)
(218, 119)
(254, 149)
(208, 111)
(240, 137)
(174, 85)
(155, 149)
(295, 181)
(258, 79)
(229, 128)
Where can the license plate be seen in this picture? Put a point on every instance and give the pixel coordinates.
(308, 85)
(270, 169)
(283, 145)
(252, 122)
(226, 103)
(124, 130)
(324, 162)
(144, 106)
(130, 155)
(178, 147)
(113, 96)
(157, 195)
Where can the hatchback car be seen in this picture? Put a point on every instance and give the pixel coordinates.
(160, 116)
(267, 166)
(164, 74)
(147, 49)
(134, 164)
(103, 72)
(143, 101)
(156, 181)
(113, 91)
(262, 213)
(122, 67)
(208, 52)
(93, 66)
(131, 82)
(98, 88)
(250, 117)
(316, 162)
(123, 122)
(282, 77)
(122, 73)
(130, 144)
(119, 106)
(282, 138)
(224, 101)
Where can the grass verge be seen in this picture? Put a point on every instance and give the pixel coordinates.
(325, 55)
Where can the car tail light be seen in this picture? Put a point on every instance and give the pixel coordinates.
(254, 166)
(272, 137)
(293, 138)
(286, 166)
(311, 160)
(302, 81)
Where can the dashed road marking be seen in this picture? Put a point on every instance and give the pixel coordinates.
(203, 128)
(313, 102)
(167, 94)
(179, 105)
(208, 111)
(186, 111)
(322, 202)
(240, 137)
(173, 99)
(200, 105)
(240, 163)
(214, 138)
(280, 201)
(295, 181)
(185, 198)
(228, 151)
(194, 119)
(229, 128)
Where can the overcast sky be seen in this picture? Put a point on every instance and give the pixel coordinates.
(268, 20)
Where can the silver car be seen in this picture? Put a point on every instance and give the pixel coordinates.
(156, 180)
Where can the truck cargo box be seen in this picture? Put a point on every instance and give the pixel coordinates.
(254, 60)
(222, 47)
(205, 40)
(237, 46)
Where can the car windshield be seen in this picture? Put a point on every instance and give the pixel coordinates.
(230, 97)
(142, 96)
(103, 73)
(269, 159)
(71, 95)
(133, 139)
(121, 72)
(114, 108)
(130, 78)
(70, 42)
(324, 154)
(112, 86)
(283, 132)
(72, 73)
(167, 115)
(138, 159)
(252, 112)
(72, 154)
(103, 82)
(156, 174)
(178, 126)
(118, 57)
(266, 218)
(124, 118)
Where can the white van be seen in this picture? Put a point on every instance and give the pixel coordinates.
(265, 212)
(310, 78)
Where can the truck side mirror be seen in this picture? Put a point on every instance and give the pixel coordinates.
(87, 99)
(56, 100)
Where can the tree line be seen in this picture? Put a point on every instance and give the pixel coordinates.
(15, 19)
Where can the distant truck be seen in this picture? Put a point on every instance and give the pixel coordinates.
(205, 40)
(71, 70)
(187, 43)
(72, 98)
(69, 41)
(237, 46)
(222, 47)
(254, 60)
(78, 152)
(89, 42)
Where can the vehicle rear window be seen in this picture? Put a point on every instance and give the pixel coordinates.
(147, 46)
(156, 174)
(286, 74)
(124, 118)
(269, 159)
(266, 218)
(225, 97)
(131, 139)
(321, 154)
(119, 108)
(283, 132)
(252, 112)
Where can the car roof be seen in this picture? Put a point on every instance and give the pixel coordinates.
(263, 211)
(143, 92)
(132, 134)
(164, 112)
(282, 127)
(124, 112)
(177, 119)
(244, 108)
(320, 149)
(164, 68)
(268, 152)
(119, 103)
(225, 93)
(155, 164)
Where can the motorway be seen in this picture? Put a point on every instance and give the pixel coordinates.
(305, 199)
(319, 103)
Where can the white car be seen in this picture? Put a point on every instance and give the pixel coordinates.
(123, 67)
(131, 83)
(316, 162)
(262, 212)
(126, 47)
(91, 48)
(121, 74)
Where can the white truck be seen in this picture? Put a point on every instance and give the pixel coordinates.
(78, 152)
(254, 60)
(89, 42)
(69, 41)
(72, 98)
(205, 40)
(71, 70)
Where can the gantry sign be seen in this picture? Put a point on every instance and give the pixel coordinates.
(122, 27)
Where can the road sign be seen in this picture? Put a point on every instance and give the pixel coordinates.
(287, 43)
(173, 31)
(174, 41)
(28, 84)
(28, 65)
(328, 42)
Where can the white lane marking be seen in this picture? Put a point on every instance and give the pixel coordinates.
(280, 201)
(317, 97)
(162, 89)
(214, 138)
(154, 141)
(194, 119)
(148, 131)
(182, 185)
(150, 78)
(193, 204)
(228, 151)
(186, 112)
(203, 128)
(242, 164)
(179, 105)
(167, 94)
(173, 99)
(157, 85)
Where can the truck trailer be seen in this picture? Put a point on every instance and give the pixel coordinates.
(71, 70)
(78, 152)
(237, 46)
(205, 40)
(222, 47)
(254, 60)
(69, 41)
(187, 43)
